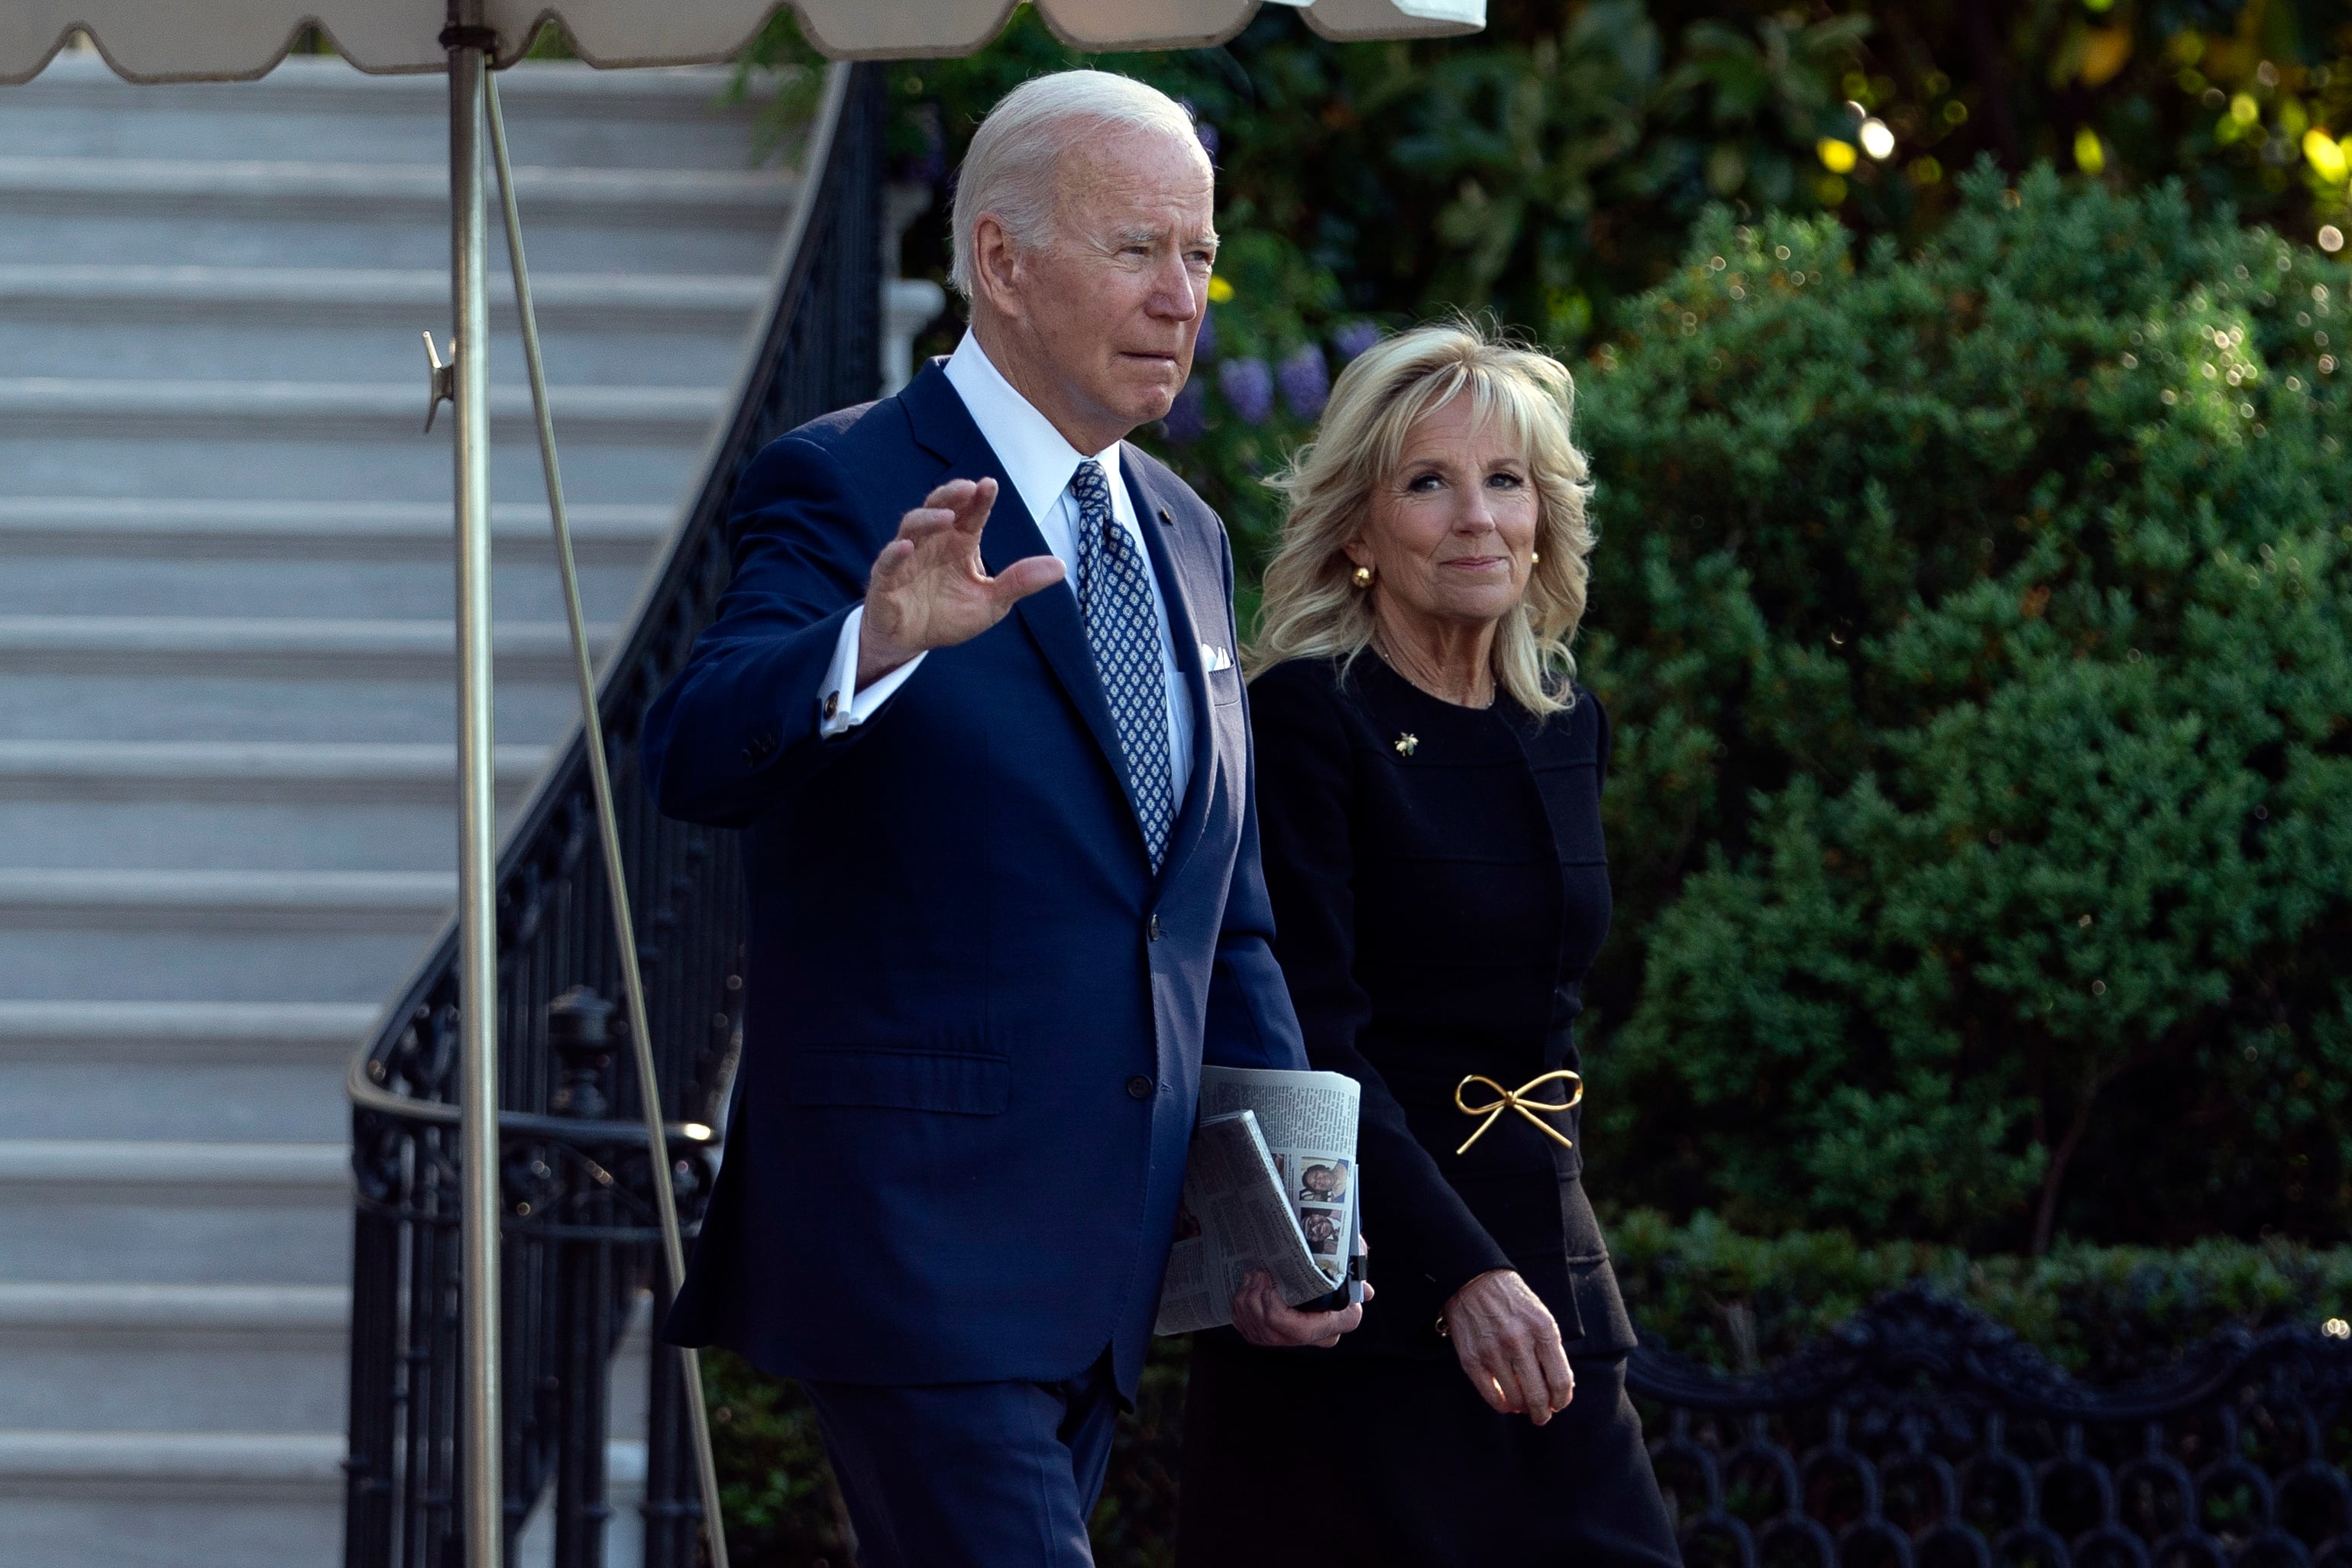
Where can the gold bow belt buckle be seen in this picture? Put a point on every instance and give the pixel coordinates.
(1518, 1099)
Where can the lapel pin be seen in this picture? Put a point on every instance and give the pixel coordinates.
(1406, 744)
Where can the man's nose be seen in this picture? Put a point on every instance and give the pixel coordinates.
(1176, 296)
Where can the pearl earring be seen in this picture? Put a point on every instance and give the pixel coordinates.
(1363, 577)
(1534, 557)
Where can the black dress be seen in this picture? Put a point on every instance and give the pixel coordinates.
(1439, 888)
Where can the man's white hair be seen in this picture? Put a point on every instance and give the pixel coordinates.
(1008, 171)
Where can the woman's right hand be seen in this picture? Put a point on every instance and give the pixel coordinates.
(1509, 1347)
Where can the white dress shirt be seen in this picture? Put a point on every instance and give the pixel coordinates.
(1040, 463)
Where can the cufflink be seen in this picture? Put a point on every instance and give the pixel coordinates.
(832, 706)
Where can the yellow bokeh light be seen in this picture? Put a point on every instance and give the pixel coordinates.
(2089, 156)
(2325, 155)
(1837, 157)
(1219, 291)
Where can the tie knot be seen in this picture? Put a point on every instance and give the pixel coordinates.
(1092, 487)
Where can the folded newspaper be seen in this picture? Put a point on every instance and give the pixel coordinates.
(1271, 1185)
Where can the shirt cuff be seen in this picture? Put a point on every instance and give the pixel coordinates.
(842, 706)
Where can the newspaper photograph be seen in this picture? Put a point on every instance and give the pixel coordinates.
(1271, 1185)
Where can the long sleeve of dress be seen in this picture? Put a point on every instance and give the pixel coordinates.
(1305, 800)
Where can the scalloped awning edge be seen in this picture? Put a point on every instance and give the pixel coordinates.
(237, 40)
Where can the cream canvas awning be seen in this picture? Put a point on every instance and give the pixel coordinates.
(206, 40)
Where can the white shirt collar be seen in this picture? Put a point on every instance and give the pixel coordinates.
(1036, 458)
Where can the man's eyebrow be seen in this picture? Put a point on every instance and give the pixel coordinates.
(1144, 237)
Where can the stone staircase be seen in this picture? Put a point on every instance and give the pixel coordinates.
(225, 717)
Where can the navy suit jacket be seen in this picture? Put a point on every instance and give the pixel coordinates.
(975, 1018)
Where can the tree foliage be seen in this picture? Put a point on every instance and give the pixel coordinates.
(1978, 628)
(1550, 169)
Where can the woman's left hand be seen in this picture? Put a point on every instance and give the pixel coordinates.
(1508, 1345)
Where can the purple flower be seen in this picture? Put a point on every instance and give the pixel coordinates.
(1248, 385)
(1305, 380)
(1204, 347)
(1188, 420)
(1353, 338)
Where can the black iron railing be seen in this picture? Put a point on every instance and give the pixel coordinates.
(579, 1233)
(1923, 1434)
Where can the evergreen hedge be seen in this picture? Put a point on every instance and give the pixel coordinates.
(2107, 1314)
(1978, 630)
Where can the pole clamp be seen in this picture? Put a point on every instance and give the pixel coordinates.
(440, 382)
(457, 35)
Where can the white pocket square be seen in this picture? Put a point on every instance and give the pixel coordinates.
(1215, 659)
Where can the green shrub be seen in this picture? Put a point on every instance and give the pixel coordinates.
(782, 1503)
(2105, 1313)
(1978, 628)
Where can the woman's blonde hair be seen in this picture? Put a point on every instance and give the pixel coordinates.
(1312, 609)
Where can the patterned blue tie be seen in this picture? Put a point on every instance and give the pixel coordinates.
(1123, 631)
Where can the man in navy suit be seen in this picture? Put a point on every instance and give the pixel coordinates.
(973, 695)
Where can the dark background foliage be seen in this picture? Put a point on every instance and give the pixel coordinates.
(1550, 169)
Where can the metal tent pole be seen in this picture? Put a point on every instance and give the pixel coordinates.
(484, 1512)
(641, 1039)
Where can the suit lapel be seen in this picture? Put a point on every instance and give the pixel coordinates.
(1154, 518)
(941, 423)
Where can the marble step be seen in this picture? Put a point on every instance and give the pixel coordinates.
(158, 1358)
(316, 192)
(407, 533)
(93, 583)
(123, 1034)
(88, 1211)
(281, 323)
(256, 901)
(70, 555)
(557, 113)
(269, 773)
(262, 805)
(191, 454)
(155, 704)
(252, 1073)
(172, 1500)
(280, 648)
(295, 410)
(226, 1500)
(260, 213)
(82, 933)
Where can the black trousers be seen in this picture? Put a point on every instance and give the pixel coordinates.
(1301, 1456)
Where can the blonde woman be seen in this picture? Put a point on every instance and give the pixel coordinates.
(1429, 796)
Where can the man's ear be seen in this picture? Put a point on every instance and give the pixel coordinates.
(996, 267)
